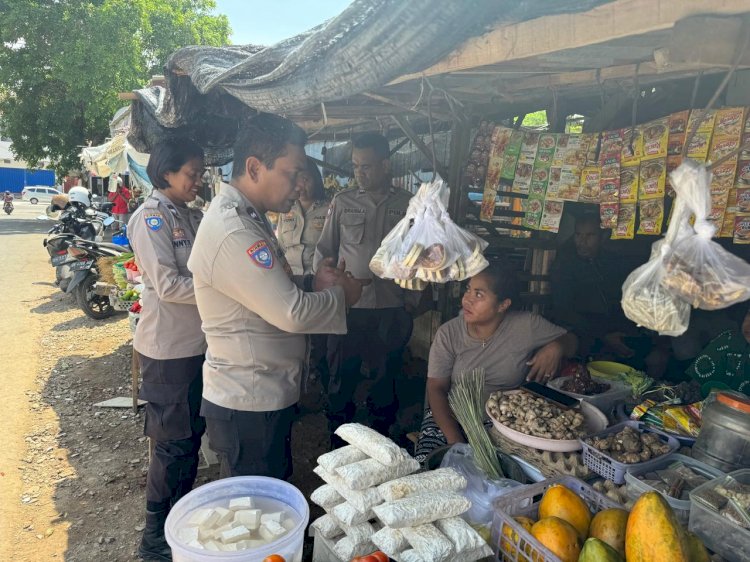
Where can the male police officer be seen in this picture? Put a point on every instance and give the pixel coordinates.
(379, 326)
(254, 312)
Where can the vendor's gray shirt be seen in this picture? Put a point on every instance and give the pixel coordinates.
(504, 355)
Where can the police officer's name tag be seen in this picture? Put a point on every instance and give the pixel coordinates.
(260, 254)
(154, 221)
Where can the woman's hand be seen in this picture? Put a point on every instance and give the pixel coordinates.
(546, 362)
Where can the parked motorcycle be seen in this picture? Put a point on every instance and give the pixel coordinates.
(8, 207)
(81, 259)
(74, 221)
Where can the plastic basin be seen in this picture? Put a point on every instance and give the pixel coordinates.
(218, 494)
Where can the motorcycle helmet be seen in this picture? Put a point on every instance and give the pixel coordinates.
(80, 195)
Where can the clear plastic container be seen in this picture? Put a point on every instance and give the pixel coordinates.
(218, 494)
(724, 440)
(719, 534)
(636, 487)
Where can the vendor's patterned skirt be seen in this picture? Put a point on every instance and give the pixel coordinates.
(430, 437)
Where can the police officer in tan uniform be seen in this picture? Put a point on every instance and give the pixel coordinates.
(168, 338)
(299, 230)
(255, 312)
(379, 326)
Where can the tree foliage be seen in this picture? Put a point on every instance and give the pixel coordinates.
(63, 62)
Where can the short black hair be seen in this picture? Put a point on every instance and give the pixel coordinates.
(373, 140)
(503, 282)
(170, 155)
(589, 218)
(318, 190)
(265, 137)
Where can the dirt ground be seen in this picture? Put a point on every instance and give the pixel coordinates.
(72, 475)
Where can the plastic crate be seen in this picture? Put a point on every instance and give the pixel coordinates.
(520, 546)
(607, 467)
(120, 303)
(719, 534)
(637, 487)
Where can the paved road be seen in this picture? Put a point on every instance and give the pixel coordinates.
(25, 278)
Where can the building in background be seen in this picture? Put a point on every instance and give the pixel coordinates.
(15, 174)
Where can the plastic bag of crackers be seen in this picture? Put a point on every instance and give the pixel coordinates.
(427, 246)
(699, 270)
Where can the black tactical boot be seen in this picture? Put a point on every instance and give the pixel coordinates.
(153, 544)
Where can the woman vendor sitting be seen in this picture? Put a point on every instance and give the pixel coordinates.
(511, 346)
(724, 364)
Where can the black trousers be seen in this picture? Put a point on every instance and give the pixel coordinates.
(173, 388)
(250, 443)
(372, 349)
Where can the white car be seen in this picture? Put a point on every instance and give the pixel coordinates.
(36, 193)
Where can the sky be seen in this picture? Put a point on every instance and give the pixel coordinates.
(265, 22)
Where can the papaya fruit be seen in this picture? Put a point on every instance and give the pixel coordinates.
(558, 536)
(653, 532)
(595, 550)
(696, 549)
(559, 501)
(609, 526)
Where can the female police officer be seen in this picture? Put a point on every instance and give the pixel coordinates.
(168, 339)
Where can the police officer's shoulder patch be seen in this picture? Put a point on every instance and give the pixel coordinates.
(153, 220)
(261, 255)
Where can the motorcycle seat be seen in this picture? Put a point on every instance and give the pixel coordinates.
(115, 247)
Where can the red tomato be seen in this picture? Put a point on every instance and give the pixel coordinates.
(274, 558)
(379, 556)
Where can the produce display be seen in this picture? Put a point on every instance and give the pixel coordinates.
(244, 523)
(574, 531)
(582, 383)
(528, 414)
(630, 446)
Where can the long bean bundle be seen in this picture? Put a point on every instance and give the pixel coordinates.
(465, 399)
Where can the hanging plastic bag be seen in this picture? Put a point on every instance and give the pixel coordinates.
(645, 300)
(699, 270)
(427, 246)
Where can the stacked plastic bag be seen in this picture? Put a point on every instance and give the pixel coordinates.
(687, 268)
(427, 246)
(373, 499)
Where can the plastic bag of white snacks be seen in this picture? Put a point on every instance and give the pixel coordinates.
(357, 533)
(431, 544)
(362, 500)
(372, 443)
(420, 509)
(699, 270)
(326, 497)
(346, 549)
(390, 541)
(327, 527)
(347, 514)
(339, 457)
(369, 472)
(467, 543)
(445, 479)
(427, 246)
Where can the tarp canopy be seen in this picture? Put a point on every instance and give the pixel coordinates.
(211, 90)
